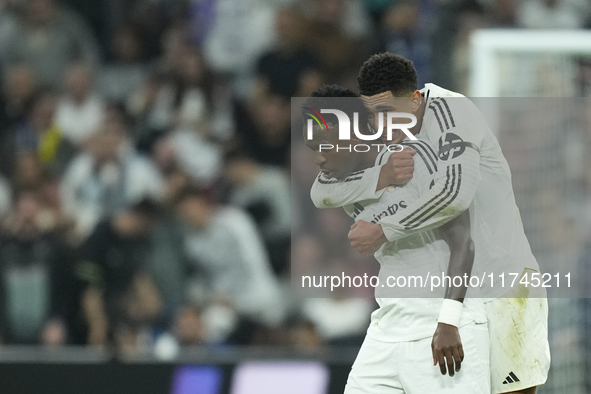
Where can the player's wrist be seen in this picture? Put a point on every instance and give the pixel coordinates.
(451, 312)
(383, 179)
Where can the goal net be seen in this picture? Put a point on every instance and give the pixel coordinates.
(541, 80)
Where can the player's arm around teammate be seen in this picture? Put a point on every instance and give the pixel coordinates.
(397, 171)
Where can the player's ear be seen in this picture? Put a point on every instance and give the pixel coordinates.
(415, 100)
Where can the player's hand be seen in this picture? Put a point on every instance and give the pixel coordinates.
(398, 169)
(447, 349)
(367, 237)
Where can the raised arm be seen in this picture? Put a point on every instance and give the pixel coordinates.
(368, 184)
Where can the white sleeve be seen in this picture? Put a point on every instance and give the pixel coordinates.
(358, 186)
(457, 129)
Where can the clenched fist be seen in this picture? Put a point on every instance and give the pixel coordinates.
(398, 169)
(367, 237)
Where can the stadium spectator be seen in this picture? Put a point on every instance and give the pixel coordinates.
(30, 175)
(187, 152)
(38, 133)
(151, 107)
(289, 69)
(174, 43)
(241, 31)
(188, 326)
(349, 16)
(118, 293)
(263, 130)
(8, 24)
(227, 255)
(124, 72)
(79, 110)
(110, 176)
(339, 321)
(48, 38)
(167, 262)
(406, 29)
(304, 335)
(263, 192)
(501, 13)
(19, 88)
(35, 278)
(177, 99)
(339, 32)
(192, 92)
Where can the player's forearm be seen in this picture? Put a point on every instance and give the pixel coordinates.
(452, 194)
(358, 186)
(383, 180)
(460, 265)
(461, 260)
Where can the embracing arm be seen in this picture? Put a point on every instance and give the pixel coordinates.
(454, 188)
(458, 136)
(368, 184)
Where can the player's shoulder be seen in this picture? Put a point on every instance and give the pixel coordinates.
(447, 109)
(432, 90)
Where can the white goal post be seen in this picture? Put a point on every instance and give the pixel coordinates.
(488, 45)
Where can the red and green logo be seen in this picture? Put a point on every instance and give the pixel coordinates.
(315, 117)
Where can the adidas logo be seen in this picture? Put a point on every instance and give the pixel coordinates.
(511, 378)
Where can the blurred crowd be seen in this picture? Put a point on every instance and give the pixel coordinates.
(145, 156)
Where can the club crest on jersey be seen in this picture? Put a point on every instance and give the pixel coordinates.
(452, 146)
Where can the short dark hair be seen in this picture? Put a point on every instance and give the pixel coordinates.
(324, 96)
(387, 72)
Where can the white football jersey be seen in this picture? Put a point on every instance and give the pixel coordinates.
(402, 315)
(472, 173)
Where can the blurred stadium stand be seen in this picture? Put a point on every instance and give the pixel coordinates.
(144, 168)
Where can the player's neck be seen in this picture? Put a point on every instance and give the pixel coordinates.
(419, 114)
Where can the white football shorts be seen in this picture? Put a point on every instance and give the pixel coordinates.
(407, 367)
(519, 347)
